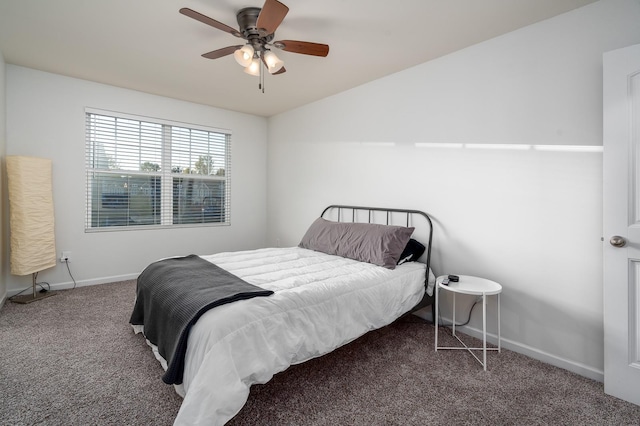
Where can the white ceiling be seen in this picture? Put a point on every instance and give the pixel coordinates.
(147, 45)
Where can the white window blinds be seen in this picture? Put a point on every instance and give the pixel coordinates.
(155, 174)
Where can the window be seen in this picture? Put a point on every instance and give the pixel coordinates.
(154, 173)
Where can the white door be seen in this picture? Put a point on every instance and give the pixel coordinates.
(621, 197)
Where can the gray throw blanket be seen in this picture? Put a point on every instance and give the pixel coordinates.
(173, 293)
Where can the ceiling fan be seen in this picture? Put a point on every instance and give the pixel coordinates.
(257, 26)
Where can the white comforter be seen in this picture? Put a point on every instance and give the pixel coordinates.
(320, 303)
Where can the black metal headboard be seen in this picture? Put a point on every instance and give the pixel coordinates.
(342, 209)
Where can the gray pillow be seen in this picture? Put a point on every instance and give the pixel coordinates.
(381, 245)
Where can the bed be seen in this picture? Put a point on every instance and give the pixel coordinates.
(356, 269)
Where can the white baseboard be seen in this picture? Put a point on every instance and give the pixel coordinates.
(521, 348)
(81, 283)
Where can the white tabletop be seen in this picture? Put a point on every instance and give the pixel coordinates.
(470, 285)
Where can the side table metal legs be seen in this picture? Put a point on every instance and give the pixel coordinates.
(484, 348)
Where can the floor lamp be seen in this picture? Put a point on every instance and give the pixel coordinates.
(30, 220)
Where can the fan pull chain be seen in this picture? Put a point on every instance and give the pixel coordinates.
(261, 83)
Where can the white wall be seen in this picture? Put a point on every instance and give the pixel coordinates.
(530, 219)
(3, 211)
(46, 118)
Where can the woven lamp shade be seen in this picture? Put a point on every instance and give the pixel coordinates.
(30, 214)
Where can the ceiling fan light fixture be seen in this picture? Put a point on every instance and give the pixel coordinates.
(244, 55)
(274, 63)
(257, 26)
(253, 68)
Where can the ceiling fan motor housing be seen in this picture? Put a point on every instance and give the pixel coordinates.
(247, 22)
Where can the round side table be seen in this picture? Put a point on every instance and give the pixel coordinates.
(474, 286)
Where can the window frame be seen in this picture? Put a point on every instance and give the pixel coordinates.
(167, 177)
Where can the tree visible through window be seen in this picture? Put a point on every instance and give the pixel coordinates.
(144, 173)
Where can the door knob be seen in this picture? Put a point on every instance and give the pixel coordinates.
(617, 241)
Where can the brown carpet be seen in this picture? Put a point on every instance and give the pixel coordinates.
(73, 360)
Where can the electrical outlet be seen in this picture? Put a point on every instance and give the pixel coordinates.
(65, 257)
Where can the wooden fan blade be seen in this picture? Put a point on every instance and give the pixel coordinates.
(271, 16)
(215, 54)
(209, 21)
(304, 47)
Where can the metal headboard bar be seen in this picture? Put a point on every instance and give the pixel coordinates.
(388, 212)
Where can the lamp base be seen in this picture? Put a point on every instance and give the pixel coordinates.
(28, 298)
